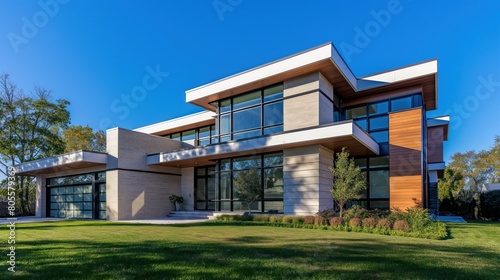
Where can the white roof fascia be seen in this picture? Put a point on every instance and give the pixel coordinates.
(438, 121)
(261, 72)
(320, 133)
(59, 160)
(178, 122)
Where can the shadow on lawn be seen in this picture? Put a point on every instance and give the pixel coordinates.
(243, 257)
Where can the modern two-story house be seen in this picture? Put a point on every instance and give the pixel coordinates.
(285, 120)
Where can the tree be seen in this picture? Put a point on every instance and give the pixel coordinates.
(349, 182)
(31, 129)
(448, 188)
(248, 187)
(83, 138)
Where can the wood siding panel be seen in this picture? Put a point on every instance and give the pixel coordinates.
(435, 138)
(405, 152)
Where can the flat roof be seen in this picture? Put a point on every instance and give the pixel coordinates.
(327, 60)
(333, 136)
(73, 160)
(178, 124)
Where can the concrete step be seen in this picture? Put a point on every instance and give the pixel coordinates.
(190, 215)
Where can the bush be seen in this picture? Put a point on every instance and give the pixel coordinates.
(355, 212)
(309, 220)
(490, 205)
(261, 218)
(288, 219)
(336, 221)
(401, 225)
(327, 214)
(298, 219)
(319, 220)
(417, 218)
(384, 223)
(275, 219)
(355, 222)
(369, 223)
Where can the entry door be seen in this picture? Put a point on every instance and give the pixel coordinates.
(205, 188)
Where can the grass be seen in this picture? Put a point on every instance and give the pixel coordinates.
(104, 250)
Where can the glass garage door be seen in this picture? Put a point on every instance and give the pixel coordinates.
(71, 202)
(80, 196)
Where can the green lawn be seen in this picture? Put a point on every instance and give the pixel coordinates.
(104, 250)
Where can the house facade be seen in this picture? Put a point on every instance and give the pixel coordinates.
(284, 120)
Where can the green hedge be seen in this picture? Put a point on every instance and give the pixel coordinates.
(414, 222)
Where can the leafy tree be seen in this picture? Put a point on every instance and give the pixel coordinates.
(83, 138)
(31, 129)
(448, 188)
(248, 187)
(349, 182)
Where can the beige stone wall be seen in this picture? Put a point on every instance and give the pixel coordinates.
(134, 189)
(304, 105)
(187, 188)
(307, 179)
(142, 195)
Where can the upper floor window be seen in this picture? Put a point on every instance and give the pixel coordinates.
(255, 113)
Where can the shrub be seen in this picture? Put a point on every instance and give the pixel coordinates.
(336, 221)
(378, 214)
(309, 220)
(395, 215)
(369, 222)
(355, 222)
(417, 218)
(355, 212)
(327, 214)
(275, 219)
(401, 225)
(261, 218)
(288, 219)
(319, 220)
(490, 205)
(384, 223)
(298, 219)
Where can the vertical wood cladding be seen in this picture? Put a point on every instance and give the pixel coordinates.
(435, 144)
(405, 151)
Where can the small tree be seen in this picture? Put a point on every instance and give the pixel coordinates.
(248, 187)
(349, 182)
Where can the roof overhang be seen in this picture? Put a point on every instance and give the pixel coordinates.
(334, 136)
(73, 160)
(178, 124)
(443, 121)
(327, 60)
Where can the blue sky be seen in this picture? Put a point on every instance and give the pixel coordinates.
(96, 53)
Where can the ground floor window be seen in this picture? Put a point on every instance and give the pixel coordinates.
(376, 170)
(266, 169)
(80, 196)
(205, 188)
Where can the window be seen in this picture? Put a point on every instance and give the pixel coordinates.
(376, 170)
(259, 112)
(401, 103)
(269, 169)
(78, 196)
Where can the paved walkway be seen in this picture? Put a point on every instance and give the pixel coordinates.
(27, 219)
(451, 219)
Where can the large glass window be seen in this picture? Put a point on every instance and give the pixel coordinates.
(78, 196)
(259, 112)
(267, 169)
(205, 188)
(376, 170)
(374, 117)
